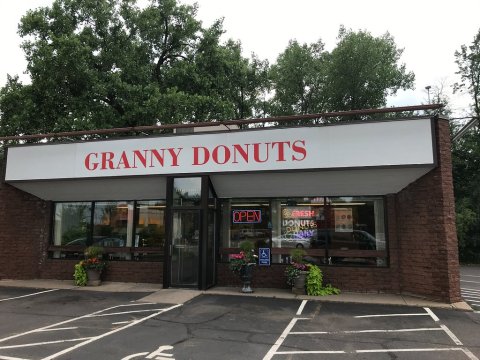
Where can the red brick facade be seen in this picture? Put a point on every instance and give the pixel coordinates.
(423, 255)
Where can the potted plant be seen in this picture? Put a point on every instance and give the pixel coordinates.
(243, 264)
(297, 271)
(89, 270)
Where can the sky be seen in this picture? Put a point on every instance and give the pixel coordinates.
(429, 31)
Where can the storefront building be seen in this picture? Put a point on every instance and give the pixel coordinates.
(370, 202)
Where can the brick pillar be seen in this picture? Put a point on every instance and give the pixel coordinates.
(24, 224)
(425, 227)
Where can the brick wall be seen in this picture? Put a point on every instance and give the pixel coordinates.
(425, 217)
(122, 271)
(24, 232)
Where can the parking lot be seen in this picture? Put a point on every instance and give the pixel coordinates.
(470, 286)
(72, 324)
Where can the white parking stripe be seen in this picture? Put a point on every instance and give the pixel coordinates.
(60, 353)
(42, 343)
(281, 339)
(60, 323)
(59, 329)
(302, 305)
(409, 350)
(432, 315)
(476, 290)
(470, 281)
(10, 358)
(390, 315)
(362, 331)
(472, 276)
(24, 296)
(471, 293)
(125, 312)
(451, 334)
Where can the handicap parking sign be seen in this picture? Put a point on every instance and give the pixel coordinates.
(264, 256)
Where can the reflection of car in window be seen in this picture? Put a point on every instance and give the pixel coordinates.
(290, 241)
(355, 239)
(104, 241)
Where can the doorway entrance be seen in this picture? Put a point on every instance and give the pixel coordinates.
(191, 233)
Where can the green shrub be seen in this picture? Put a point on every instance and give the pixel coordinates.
(314, 283)
(80, 275)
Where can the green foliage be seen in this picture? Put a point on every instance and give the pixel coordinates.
(80, 275)
(245, 257)
(109, 63)
(363, 70)
(466, 157)
(468, 61)
(92, 252)
(314, 283)
(297, 255)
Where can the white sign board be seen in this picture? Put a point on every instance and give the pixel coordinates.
(372, 144)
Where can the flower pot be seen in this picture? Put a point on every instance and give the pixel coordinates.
(246, 275)
(299, 286)
(93, 277)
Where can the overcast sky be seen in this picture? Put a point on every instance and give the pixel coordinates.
(429, 31)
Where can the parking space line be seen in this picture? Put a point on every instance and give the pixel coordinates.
(10, 358)
(42, 343)
(59, 329)
(451, 334)
(61, 323)
(390, 315)
(135, 322)
(121, 322)
(472, 276)
(302, 305)
(33, 294)
(362, 331)
(432, 315)
(470, 281)
(125, 312)
(470, 289)
(281, 339)
(474, 290)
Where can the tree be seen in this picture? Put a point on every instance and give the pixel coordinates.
(108, 63)
(468, 61)
(466, 157)
(298, 78)
(363, 70)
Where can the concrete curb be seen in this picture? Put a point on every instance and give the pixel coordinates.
(180, 296)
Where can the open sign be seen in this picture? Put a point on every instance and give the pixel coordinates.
(246, 216)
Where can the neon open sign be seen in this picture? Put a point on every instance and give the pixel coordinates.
(246, 216)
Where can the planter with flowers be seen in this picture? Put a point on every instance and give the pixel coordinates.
(89, 271)
(243, 264)
(297, 271)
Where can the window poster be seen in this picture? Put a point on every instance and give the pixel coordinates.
(343, 220)
(299, 222)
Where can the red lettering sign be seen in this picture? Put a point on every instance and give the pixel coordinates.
(246, 216)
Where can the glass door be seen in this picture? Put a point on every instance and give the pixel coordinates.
(185, 248)
(191, 234)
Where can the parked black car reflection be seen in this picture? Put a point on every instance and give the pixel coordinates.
(353, 240)
(104, 241)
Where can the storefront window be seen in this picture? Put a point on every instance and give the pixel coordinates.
(245, 220)
(113, 224)
(72, 223)
(332, 231)
(116, 224)
(150, 224)
(187, 191)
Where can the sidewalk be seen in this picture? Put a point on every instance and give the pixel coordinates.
(177, 296)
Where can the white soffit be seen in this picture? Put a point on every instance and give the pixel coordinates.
(327, 183)
(134, 188)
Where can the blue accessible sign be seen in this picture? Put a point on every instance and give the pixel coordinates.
(264, 256)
